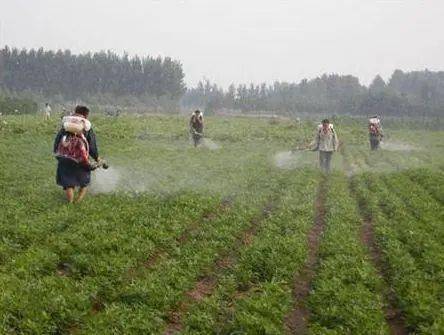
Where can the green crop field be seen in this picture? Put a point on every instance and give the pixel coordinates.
(240, 236)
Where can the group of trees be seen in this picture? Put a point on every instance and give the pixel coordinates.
(79, 76)
(109, 79)
(404, 94)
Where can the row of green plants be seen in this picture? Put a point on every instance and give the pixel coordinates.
(411, 249)
(54, 282)
(143, 303)
(346, 297)
(431, 181)
(80, 269)
(253, 294)
(418, 204)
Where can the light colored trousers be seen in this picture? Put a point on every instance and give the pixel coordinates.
(325, 160)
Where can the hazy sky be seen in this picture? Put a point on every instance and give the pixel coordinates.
(241, 41)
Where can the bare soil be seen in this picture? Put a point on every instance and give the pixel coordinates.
(297, 320)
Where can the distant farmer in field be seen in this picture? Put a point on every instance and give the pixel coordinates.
(65, 112)
(47, 112)
(375, 132)
(73, 145)
(196, 127)
(326, 142)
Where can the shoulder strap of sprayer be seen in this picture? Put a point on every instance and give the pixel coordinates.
(331, 128)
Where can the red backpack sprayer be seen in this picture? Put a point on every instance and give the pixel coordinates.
(74, 146)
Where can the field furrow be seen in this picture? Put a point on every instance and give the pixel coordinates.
(413, 277)
(345, 273)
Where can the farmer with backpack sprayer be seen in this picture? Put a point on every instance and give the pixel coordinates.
(375, 132)
(326, 142)
(73, 145)
(196, 127)
(47, 112)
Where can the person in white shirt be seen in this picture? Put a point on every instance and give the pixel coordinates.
(326, 142)
(47, 111)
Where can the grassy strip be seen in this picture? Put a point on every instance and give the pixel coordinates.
(253, 293)
(418, 222)
(143, 303)
(432, 181)
(59, 297)
(346, 296)
(418, 201)
(411, 262)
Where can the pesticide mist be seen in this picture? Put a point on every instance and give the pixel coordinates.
(210, 144)
(397, 146)
(292, 160)
(105, 181)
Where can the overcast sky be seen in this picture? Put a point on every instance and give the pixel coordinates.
(241, 41)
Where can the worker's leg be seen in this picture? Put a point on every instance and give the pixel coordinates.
(81, 194)
(328, 156)
(374, 144)
(69, 191)
(322, 160)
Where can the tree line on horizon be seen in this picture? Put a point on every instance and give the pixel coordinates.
(106, 77)
(405, 94)
(80, 76)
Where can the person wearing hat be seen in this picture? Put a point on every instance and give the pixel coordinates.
(196, 127)
(326, 141)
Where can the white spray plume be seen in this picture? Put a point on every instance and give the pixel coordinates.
(105, 181)
(397, 146)
(210, 144)
(292, 160)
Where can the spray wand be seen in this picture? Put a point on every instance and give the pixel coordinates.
(304, 147)
(101, 163)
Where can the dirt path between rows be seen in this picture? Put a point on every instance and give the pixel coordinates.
(206, 285)
(393, 315)
(184, 237)
(98, 303)
(296, 321)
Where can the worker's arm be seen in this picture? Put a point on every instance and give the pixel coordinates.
(57, 140)
(335, 141)
(192, 131)
(315, 144)
(93, 151)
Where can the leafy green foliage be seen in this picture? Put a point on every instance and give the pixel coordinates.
(125, 259)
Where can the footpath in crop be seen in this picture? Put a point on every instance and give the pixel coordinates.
(161, 252)
(296, 321)
(392, 313)
(186, 234)
(207, 283)
(253, 292)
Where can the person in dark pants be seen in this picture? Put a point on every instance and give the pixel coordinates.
(326, 142)
(73, 145)
(375, 132)
(196, 127)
